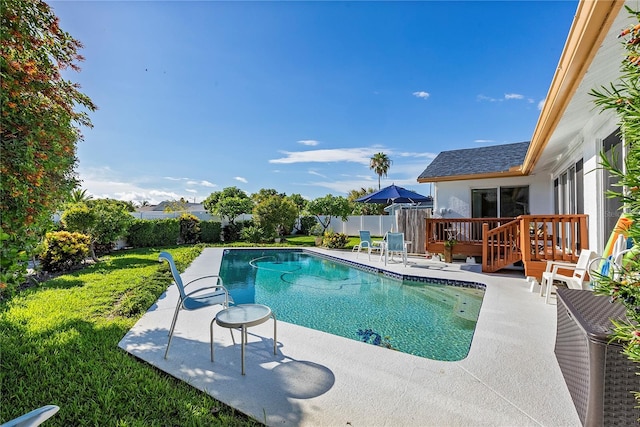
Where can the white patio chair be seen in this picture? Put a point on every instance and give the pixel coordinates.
(576, 281)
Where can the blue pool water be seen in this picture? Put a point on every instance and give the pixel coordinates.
(430, 320)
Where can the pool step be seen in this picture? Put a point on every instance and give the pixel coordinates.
(464, 302)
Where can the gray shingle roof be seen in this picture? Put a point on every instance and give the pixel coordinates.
(472, 161)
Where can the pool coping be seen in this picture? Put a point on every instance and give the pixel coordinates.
(510, 377)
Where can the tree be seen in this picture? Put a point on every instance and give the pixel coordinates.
(329, 206)
(623, 97)
(364, 208)
(380, 163)
(265, 193)
(79, 196)
(181, 206)
(104, 220)
(301, 204)
(41, 115)
(275, 215)
(228, 203)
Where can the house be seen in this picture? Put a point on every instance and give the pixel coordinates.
(557, 172)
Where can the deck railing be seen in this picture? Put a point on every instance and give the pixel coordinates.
(533, 239)
(466, 231)
(501, 245)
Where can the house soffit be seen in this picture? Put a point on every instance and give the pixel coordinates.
(590, 59)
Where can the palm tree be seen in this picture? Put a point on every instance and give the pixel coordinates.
(80, 196)
(380, 164)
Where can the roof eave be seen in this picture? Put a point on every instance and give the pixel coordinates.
(590, 26)
(504, 174)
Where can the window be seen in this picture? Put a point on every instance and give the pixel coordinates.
(484, 203)
(568, 191)
(612, 148)
(513, 201)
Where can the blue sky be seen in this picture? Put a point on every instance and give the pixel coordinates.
(197, 96)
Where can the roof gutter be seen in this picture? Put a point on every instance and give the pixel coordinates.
(590, 26)
(512, 172)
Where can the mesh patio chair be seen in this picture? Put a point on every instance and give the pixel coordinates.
(395, 244)
(366, 244)
(33, 418)
(197, 298)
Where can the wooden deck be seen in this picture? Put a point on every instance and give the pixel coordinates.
(501, 242)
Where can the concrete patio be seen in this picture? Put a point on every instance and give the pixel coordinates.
(510, 377)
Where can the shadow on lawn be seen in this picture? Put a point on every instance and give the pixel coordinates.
(77, 365)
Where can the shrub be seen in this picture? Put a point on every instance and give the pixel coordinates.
(210, 231)
(316, 230)
(306, 224)
(335, 240)
(64, 250)
(189, 229)
(145, 233)
(255, 234)
(232, 231)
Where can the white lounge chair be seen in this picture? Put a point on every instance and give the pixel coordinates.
(575, 281)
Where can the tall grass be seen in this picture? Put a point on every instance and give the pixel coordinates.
(59, 345)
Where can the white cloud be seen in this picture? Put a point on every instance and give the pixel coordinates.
(191, 190)
(355, 155)
(309, 142)
(202, 183)
(312, 172)
(421, 94)
(486, 98)
(347, 185)
(483, 141)
(170, 178)
(541, 104)
(425, 155)
(241, 179)
(103, 182)
(508, 96)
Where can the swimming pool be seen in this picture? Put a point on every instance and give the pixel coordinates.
(432, 320)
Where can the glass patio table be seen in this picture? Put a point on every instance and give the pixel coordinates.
(243, 316)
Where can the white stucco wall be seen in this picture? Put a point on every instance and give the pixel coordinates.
(455, 196)
(595, 130)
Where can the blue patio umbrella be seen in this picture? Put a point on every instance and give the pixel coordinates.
(393, 194)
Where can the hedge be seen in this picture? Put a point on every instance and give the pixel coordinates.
(146, 233)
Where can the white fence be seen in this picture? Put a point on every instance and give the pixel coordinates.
(377, 224)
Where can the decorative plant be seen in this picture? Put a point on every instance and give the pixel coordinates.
(449, 243)
(316, 230)
(335, 240)
(623, 97)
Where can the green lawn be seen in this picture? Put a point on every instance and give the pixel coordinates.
(301, 240)
(58, 345)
